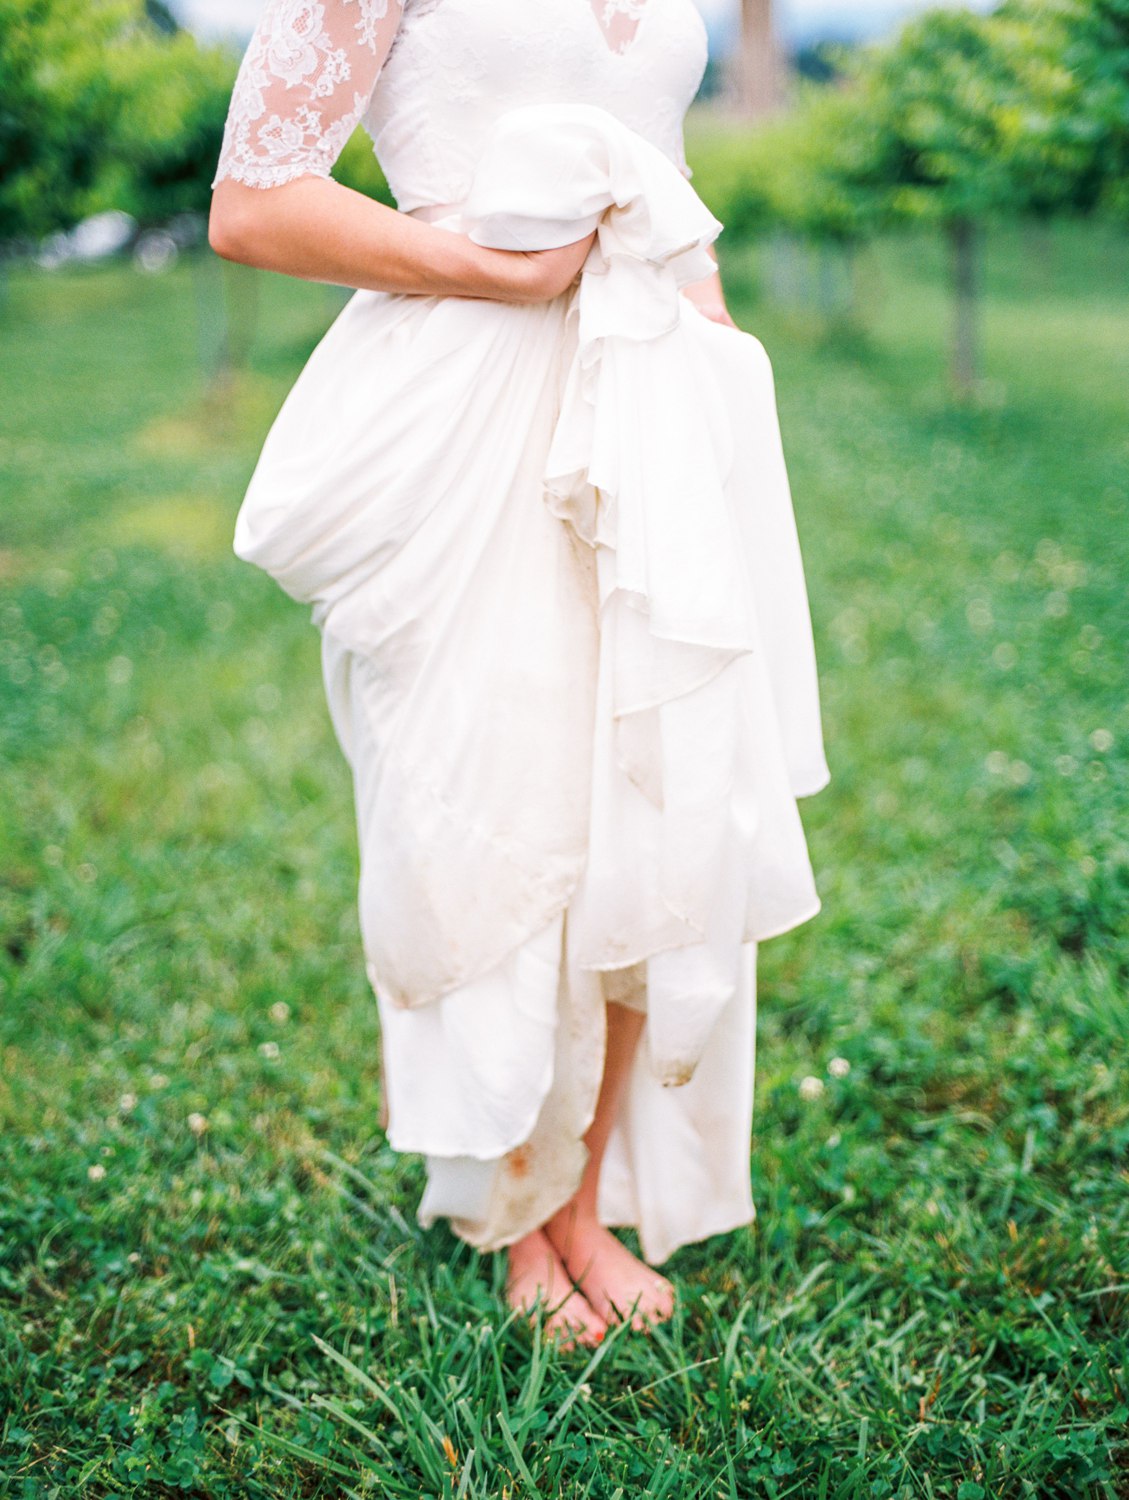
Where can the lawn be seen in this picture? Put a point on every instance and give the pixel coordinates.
(211, 1281)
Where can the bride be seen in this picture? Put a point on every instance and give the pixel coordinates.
(531, 484)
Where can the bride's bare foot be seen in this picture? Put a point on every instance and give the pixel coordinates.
(536, 1272)
(616, 1283)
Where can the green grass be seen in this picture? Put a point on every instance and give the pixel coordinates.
(211, 1281)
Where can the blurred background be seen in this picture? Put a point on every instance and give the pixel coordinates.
(210, 1278)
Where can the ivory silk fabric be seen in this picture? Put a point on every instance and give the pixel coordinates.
(567, 653)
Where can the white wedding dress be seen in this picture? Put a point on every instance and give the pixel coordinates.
(551, 552)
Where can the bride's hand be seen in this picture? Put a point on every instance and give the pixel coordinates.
(533, 275)
(709, 298)
(716, 312)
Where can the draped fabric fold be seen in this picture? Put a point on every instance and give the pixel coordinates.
(688, 758)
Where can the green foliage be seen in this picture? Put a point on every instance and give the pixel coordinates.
(358, 168)
(958, 120)
(733, 173)
(100, 106)
(804, 173)
(1090, 119)
(958, 117)
(950, 104)
(174, 97)
(58, 107)
(105, 105)
(210, 1278)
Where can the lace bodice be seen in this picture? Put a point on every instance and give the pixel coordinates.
(429, 77)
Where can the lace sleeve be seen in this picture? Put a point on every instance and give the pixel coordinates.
(305, 81)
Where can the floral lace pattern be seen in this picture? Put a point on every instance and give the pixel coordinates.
(304, 83)
(447, 69)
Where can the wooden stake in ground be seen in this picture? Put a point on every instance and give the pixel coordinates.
(964, 364)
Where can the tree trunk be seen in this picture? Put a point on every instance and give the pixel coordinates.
(964, 246)
(758, 60)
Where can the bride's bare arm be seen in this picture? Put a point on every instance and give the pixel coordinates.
(319, 230)
(307, 77)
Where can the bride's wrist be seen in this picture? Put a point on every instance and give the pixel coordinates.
(499, 275)
(455, 266)
(478, 271)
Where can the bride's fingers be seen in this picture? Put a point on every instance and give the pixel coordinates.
(560, 267)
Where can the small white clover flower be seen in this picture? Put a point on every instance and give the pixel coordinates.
(96, 1172)
(1102, 740)
(280, 1012)
(838, 1067)
(127, 1102)
(1005, 656)
(269, 1050)
(197, 1123)
(1057, 604)
(811, 1087)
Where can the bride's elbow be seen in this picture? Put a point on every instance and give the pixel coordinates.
(231, 227)
(225, 238)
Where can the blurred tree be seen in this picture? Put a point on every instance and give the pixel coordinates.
(162, 17)
(101, 105)
(1087, 122)
(57, 108)
(817, 61)
(808, 173)
(173, 97)
(954, 113)
(1099, 52)
(758, 60)
(823, 183)
(959, 119)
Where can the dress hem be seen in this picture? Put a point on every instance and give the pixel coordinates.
(726, 1224)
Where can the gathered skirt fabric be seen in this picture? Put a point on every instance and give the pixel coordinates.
(568, 657)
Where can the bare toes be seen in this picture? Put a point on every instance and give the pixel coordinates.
(650, 1305)
(619, 1286)
(539, 1286)
(576, 1323)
